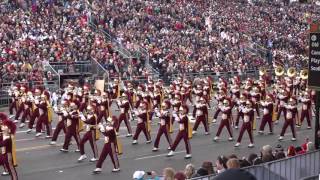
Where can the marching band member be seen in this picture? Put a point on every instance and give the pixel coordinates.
(103, 103)
(130, 93)
(13, 101)
(90, 121)
(164, 116)
(3, 117)
(8, 149)
(198, 92)
(247, 87)
(226, 111)
(84, 98)
(124, 114)
(183, 133)
(306, 109)
(176, 103)
(21, 101)
(111, 147)
(207, 92)
(248, 115)
(241, 103)
(283, 97)
(156, 98)
(27, 109)
(72, 127)
(291, 115)
(139, 97)
(35, 114)
(61, 121)
(188, 91)
(43, 117)
(255, 97)
(200, 112)
(142, 115)
(267, 107)
(220, 96)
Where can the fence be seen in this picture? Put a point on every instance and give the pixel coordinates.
(4, 97)
(305, 166)
(69, 68)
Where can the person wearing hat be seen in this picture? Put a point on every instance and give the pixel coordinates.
(291, 115)
(306, 109)
(176, 104)
(164, 116)
(43, 118)
(8, 148)
(156, 98)
(27, 109)
(130, 93)
(3, 117)
(61, 121)
(198, 91)
(124, 105)
(207, 92)
(226, 111)
(267, 107)
(142, 115)
(13, 101)
(200, 112)
(102, 108)
(183, 121)
(21, 103)
(188, 91)
(248, 115)
(35, 113)
(90, 121)
(283, 97)
(220, 96)
(241, 102)
(255, 97)
(111, 147)
(72, 127)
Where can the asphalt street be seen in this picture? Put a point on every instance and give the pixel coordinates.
(39, 160)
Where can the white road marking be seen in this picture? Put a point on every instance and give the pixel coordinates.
(159, 155)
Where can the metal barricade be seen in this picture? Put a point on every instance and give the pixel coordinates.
(65, 68)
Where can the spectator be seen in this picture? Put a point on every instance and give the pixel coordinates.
(310, 147)
(221, 164)
(168, 174)
(233, 163)
(238, 174)
(257, 161)
(299, 150)
(244, 163)
(266, 153)
(189, 171)
(138, 175)
(252, 157)
(291, 151)
(279, 155)
(201, 172)
(180, 176)
(208, 166)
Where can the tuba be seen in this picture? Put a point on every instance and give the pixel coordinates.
(304, 74)
(291, 72)
(279, 71)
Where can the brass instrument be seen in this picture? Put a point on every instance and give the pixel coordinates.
(279, 71)
(291, 72)
(304, 74)
(262, 71)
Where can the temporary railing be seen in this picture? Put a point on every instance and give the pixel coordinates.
(48, 68)
(74, 67)
(305, 166)
(99, 71)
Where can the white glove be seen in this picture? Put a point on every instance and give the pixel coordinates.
(36, 101)
(99, 101)
(101, 127)
(82, 117)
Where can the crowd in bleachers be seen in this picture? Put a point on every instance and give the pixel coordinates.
(193, 36)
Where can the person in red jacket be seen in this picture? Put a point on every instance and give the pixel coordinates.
(200, 112)
(90, 121)
(267, 107)
(183, 121)
(7, 153)
(142, 116)
(291, 116)
(248, 115)
(110, 147)
(226, 111)
(164, 116)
